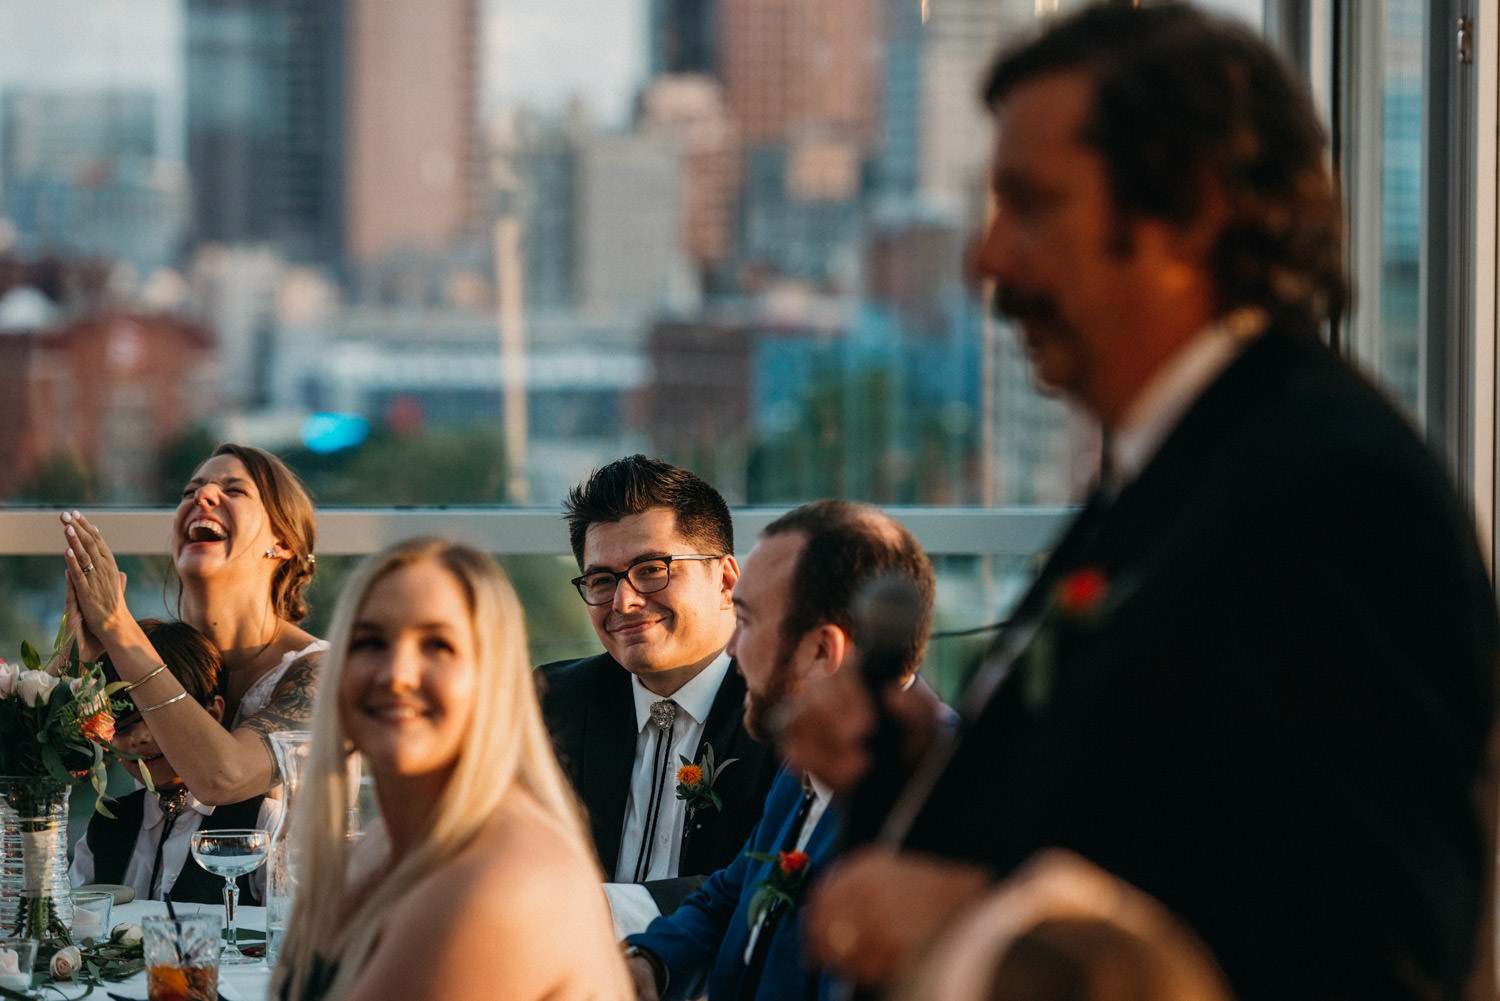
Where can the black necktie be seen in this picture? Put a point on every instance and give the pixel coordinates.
(663, 714)
(757, 965)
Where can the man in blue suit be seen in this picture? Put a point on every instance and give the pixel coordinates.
(795, 620)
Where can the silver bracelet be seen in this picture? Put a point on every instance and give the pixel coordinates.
(161, 705)
(136, 684)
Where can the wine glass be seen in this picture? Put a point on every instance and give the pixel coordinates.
(231, 853)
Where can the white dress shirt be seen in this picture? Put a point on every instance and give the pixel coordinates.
(630, 903)
(1174, 388)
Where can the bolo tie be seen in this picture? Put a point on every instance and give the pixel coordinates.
(663, 714)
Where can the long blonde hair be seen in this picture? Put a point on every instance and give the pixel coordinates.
(506, 745)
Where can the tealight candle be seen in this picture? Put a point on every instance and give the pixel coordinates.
(86, 919)
(11, 975)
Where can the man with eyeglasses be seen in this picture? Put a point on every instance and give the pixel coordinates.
(655, 547)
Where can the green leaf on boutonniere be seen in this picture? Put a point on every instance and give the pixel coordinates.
(788, 872)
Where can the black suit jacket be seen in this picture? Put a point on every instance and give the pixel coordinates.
(591, 714)
(1276, 719)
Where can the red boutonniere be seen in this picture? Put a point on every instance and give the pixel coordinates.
(1081, 600)
(1080, 592)
(695, 784)
(778, 891)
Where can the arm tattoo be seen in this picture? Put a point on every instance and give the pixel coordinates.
(290, 707)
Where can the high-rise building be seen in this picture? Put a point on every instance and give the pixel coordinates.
(265, 114)
(689, 107)
(413, 145)
(631, 262)
(683, 37)
(959, 40)
(341, 132)
(789, 65)
(80, 176)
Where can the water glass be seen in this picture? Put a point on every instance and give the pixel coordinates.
(182, 956)
(91, 909)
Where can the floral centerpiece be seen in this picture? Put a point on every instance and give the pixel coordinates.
(56, 721)
(118, 957)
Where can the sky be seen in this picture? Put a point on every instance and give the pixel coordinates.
(546, 53)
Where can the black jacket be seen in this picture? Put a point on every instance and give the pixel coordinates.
(591, 714)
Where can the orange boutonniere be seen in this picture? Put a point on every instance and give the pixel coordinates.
(1080, 601)
(778, 891)
(695, 784)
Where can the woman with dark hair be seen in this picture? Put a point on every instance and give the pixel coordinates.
(242, 547)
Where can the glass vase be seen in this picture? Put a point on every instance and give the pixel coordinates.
(35, 898)
(291, 748)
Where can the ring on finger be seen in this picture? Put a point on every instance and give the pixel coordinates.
(89, 568)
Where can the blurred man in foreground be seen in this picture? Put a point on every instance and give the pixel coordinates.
(1256, 677)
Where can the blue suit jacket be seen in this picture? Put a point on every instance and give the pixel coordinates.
(703, 941)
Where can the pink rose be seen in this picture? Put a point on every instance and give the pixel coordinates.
(36, 686)
(66, 962)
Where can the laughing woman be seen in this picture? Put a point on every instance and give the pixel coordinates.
(242, 547)
(479, 881)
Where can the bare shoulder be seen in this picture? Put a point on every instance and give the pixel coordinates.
(528, 853)
(509, 893)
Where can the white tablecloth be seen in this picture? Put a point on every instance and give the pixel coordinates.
(238, 983)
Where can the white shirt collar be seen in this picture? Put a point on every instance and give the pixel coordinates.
(822, 791)
(696, 698)
(151, 814)
(1156, 410)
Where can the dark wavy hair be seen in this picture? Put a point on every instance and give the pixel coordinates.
(1188, 107)
(848, 547)
(634, 485)
(290, 508)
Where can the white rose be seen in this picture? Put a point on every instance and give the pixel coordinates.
(8, 677)
(126, 935)
(65, 962)
(74, 685)
(35, 686)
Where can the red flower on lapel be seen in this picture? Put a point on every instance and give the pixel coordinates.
(778, 891)
(1081, 591)
(1081, 599)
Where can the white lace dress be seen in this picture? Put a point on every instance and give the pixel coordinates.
(258, 695)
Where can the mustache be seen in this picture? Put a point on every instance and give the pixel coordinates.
(1011, 303)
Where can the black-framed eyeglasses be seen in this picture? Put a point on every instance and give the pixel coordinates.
(647, 575)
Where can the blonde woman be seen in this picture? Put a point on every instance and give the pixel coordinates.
(242, 548)
(478, 881)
